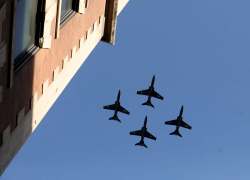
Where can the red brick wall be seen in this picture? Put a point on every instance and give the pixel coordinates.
(29, 79)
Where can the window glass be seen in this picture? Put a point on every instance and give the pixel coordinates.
(66, 7)
(25, 26)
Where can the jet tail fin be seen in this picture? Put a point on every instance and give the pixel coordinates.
(115, 118)
(176, 132)
(141, 143)
(148, 103)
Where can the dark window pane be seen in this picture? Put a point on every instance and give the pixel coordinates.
(25, 26)
(66, 7)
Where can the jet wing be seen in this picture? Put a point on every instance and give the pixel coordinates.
(149, 135)
(136, 133)
(144, 92)
(110, 107)
(185, 125)
(172, 122)
(123, 110)
(157, 95)
(176, 123)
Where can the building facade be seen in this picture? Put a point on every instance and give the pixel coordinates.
(42, 45)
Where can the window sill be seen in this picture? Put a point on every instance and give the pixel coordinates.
(67, 17)
(22, 59)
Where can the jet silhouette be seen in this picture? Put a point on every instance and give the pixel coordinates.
(178, 123)
(117, 108)
(150, 92)
(143, 132)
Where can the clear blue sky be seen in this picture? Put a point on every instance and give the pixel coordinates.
(200, 53)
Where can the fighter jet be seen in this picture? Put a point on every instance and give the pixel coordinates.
(178, 123)
(150, 92)
(117, 108)
(143, 132)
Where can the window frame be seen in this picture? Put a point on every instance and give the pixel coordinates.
(69, 14)
(19, 61)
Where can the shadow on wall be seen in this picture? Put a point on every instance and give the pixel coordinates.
(16, 112)
(16, 104)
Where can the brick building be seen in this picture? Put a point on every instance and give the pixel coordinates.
(42, 45)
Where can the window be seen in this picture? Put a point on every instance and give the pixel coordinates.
(25, 28)
(2, 26)
(66, 9)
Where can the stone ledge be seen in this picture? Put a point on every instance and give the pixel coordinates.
(121, 5)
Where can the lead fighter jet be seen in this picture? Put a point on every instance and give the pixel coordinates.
(117, 108)
(143, 132)
(150, 92)
(178, 123)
